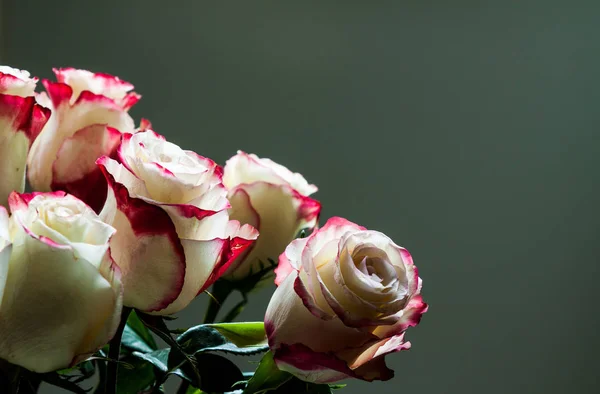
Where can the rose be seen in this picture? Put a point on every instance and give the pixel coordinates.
(89, 115)
(98, 83)
(21, 120)
(174, 237)
(60, 292)
(271, 198)
(16, 82)
(346, 296)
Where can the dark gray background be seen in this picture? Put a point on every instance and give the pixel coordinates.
(465, 130)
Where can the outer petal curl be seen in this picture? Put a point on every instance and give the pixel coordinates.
(21, 120)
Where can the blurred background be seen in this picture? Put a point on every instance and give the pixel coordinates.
(467, 131)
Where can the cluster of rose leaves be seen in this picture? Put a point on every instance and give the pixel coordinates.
(121, 217)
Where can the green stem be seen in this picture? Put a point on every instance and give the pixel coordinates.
(114, 351)
(236, 310)
(157, 325)
(220, 291)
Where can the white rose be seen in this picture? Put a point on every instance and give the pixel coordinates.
(174, 237)
(60, 292)
(346, 296)
(89, 113)
(271, 198)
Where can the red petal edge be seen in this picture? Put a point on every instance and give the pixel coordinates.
(232, 249)
(92, 188)
(147, 219)
(27, 116)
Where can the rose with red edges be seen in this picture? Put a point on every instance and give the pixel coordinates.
(60, 291)
(89, 113)
(174, 235)
(271, 198)
(345, 297)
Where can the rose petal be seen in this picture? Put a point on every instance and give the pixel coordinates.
(4, 220)
(201, 258)
(351, 309)
(410, 316)
(242, 209)
(21, 120)
(290, 259)
(279, 209)
(16, 82)
(309, 365)
(13, 153)
(74, 170)
(66, 120)
(5, 249)
(239, 245)
(172, 175)
(40, 277)
(331, 231)
(105, 329)
(146, 247)
(206, 261)
(98, 83)
(246, 168)
(287, 321)
(312, 300)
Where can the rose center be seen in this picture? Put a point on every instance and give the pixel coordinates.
(64, 220)
(377, 269)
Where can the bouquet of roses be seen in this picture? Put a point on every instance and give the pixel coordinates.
(124, 229)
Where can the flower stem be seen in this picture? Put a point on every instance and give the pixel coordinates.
(114, 351)
(220, 291)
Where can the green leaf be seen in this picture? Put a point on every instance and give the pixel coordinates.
(242, 334)
(136, 325)
(336, 386)
(135, 378)
(159, 327)
(133, 341)
(164, 363)
(158, 358)
(217, 374)
(235, 338)
(83, 370)
(266, 377)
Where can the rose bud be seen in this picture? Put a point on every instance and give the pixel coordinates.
(89, 113)
(346, 296)
(174, 237)
(60, 292)
(271, 198)
(21, 120)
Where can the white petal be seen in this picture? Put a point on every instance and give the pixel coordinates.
(201, 258)
(288, 321)
(281, 215)
(246, 168)
(65, 121)
(53, 304)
